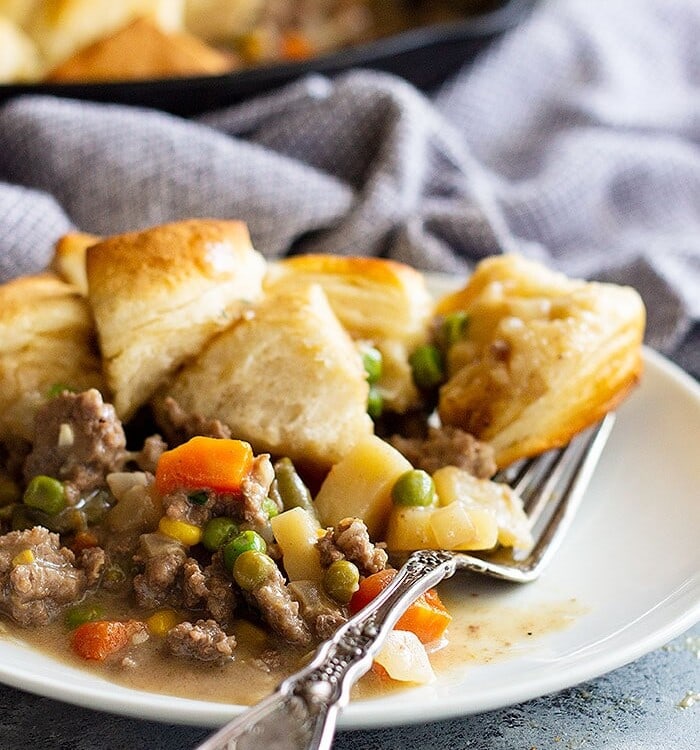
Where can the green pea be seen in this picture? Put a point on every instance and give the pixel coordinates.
(414, 488)
(247, 541)
(454, 327)
(372, 362)
(252, 569)
(269, 506)
(45, 493)
(341, 580)
(291, 488)
(375, 403)
(83, 613)
(218, 531)
(427, 366)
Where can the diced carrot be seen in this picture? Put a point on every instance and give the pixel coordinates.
(380, 671)
(370, 588)
(98, 639)
(83, 540)
(296, 46)
(427, 617)
(204, 463)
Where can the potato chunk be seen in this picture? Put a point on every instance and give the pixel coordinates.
(296, 532)
(455, 485)
(360, 485)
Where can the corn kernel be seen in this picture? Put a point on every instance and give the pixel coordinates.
(184, 532)
(160, 622)
(25, 557)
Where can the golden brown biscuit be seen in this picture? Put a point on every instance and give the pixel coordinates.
(61, 27)
(287, 378)
(69, 258)
(19, 57)
(221, 20)
(158, 295)
(18, 11)
(378, 301)
(543, 355)
(141, 50)
(47, 340)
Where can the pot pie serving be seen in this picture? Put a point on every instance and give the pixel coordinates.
(207, 459)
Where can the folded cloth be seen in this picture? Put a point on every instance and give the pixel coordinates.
(572, 140)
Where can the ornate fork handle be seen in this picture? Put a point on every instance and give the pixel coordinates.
(302, 712)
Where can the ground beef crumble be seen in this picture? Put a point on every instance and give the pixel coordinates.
(79, 440)
(203, 640)
(447, 446)
(349, 540)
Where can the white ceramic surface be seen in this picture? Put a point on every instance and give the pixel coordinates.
(632, 560)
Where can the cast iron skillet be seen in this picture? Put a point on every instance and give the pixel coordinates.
(426, 57)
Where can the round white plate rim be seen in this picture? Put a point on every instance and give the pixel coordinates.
(403, 708)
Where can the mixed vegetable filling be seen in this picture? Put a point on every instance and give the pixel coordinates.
(209, 543)
(196, 537)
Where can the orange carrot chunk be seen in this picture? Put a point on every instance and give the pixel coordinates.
(98, 639)
(204, 463)
(296, 46)
(427, 617)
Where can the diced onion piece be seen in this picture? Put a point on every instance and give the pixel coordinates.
(66, 436)
(405, 659)
(120, 482)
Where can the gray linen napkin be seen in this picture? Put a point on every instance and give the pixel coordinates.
(574, 140)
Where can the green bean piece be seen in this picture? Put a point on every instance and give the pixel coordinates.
(427, 367)
(341, 580)
(45, 493)
(83, 613)
(270, 507)
(218, 531)
(372, 362)
(199, 497)
(454, 327)
(252, 568)
(375, 403)
(246, 541)
(291, 488)
(414, 488)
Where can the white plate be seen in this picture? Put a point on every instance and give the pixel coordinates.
(632, 560)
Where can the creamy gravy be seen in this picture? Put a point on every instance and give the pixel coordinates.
(487, 626)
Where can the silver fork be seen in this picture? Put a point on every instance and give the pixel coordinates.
(301, 714)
